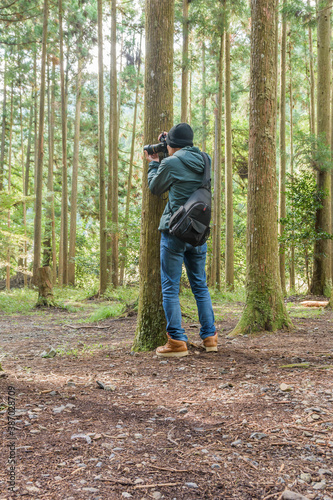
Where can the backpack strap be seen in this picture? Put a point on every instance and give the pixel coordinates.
(206, 178)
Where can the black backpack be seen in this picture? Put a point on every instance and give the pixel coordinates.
(190, 223)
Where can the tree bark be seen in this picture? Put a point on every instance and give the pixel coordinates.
(204, 98)
(215, 278)
(101, 153)
(3, 127)
(9, 250)
(63, 277)
(45, 291)
(264, 309)
(321, 282)
(130, 174)
(158, 107)
(229, 225)
(40, 155)
(291, 105)
(185, 64)
(72, 235)
(113, 152)
(282, 173)
(312, 82)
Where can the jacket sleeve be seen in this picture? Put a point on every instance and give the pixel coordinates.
(159, 177)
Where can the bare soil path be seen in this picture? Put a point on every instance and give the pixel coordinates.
(99, 422)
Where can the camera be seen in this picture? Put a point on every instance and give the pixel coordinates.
(161, 147)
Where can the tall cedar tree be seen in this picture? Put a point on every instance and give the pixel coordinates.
(113, 151)
(264, 309)
(282, 173)
(185, 61)
(40, 154)
(101, 155)
(63, 276)
(229, 225)
(158, 108)
(321, 282)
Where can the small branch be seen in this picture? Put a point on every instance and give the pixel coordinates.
(156, 485)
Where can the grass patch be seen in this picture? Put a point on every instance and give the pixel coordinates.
(106, 311)
(76, 351)
(22, 300)
(304, 312)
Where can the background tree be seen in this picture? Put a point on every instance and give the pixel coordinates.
(40, 154)
(322, 260)
(264, 309)
(229, 210)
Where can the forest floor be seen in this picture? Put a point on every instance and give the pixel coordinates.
(252, 421)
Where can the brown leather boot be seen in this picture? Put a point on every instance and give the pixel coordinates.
(210, 343)
(172, 349)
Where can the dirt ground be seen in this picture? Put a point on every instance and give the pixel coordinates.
(253, 421)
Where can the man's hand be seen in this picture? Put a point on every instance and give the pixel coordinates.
(153, 157)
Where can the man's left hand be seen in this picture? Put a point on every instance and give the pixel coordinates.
(153, 157)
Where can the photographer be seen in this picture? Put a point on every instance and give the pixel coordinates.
(180, 173)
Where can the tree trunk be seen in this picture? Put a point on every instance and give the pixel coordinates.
(101, 153)
(45, 292)
(63, 277)
(158, 107)
(291, 105)
(185, 64)
(40, 155)
(312, 83)
(35, 91)
(47, 244)
(229, 226)
(72, 235)
(282, 173)
(215, 278)
(113, 151)
(130, 173)
(264, 309)
(9, 250)
(3, 128)
(204, 99)
(321, 282)
(23, 266)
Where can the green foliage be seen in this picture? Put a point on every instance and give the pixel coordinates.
(105, 312)
(18, 301)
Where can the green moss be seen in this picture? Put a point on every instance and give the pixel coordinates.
(296, 365)
(263, 312)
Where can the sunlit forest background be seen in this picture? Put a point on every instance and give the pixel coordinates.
(72, 43)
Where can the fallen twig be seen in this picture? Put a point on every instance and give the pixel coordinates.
(170, 438)
(168, 469)
(156, 485)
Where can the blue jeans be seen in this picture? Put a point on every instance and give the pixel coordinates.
(173, 253)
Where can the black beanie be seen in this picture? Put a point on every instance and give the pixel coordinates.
(180, 135)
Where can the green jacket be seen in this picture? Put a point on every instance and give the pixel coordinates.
(180, 174)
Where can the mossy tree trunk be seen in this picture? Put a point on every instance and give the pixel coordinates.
(158, 107)
(321, 282)
(264, 309)
(45, 291)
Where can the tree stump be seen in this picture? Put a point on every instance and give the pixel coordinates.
(45, 287)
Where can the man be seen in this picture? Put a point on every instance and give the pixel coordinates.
(181, 173)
